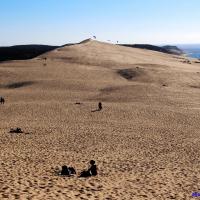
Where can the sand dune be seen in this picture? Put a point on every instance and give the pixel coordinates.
(145, 140)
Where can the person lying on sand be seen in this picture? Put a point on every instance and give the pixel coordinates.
(92, 171)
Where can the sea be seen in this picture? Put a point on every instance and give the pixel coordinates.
(192, 51)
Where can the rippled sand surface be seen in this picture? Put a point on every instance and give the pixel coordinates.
(145, 141)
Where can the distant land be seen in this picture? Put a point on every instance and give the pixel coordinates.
(191, 50)
(164, 49)
(24, 52)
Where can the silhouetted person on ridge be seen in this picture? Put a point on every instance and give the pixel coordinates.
(100, 106)
(92, 171)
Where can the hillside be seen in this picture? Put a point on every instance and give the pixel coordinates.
(173, 50)
(145, 140)
(23, 52)
(164, 49)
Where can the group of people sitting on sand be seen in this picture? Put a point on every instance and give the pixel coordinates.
(91, 171)
(67, 171)
(16, 130)
(2, 100)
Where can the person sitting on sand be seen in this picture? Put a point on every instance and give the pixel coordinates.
(92, 171)
(67, 171)
(71, 170)
(100, 106)
(93, 168)
(16, 130)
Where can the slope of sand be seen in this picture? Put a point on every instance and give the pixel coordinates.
(145, 141)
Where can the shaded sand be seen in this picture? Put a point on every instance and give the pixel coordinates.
(145, 141)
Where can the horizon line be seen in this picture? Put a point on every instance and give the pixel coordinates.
(109, 42)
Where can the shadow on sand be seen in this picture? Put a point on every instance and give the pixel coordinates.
(97, 110)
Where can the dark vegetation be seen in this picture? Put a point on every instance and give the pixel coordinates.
(128, 74)
(23, 52)
(173, 50)
(164, 49)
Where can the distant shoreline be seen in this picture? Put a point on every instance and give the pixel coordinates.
(193, 55)
(192, 51)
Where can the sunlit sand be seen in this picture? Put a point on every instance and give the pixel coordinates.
(145, 140)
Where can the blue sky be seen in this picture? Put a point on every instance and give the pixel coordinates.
(58, 22)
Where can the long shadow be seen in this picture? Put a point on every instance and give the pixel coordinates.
(16, 85)
(97, 110)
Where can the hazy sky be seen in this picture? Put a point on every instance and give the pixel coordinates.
(59, 22)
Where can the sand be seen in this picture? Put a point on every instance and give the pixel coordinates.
(145, 141)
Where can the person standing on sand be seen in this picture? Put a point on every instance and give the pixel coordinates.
(2, 100)
(100, 106)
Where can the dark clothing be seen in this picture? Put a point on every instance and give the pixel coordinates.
(85, 174)
(65, 170)
(17, 130)
(100, 106)
(2, 100)
(92, 171)
(71, 170)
